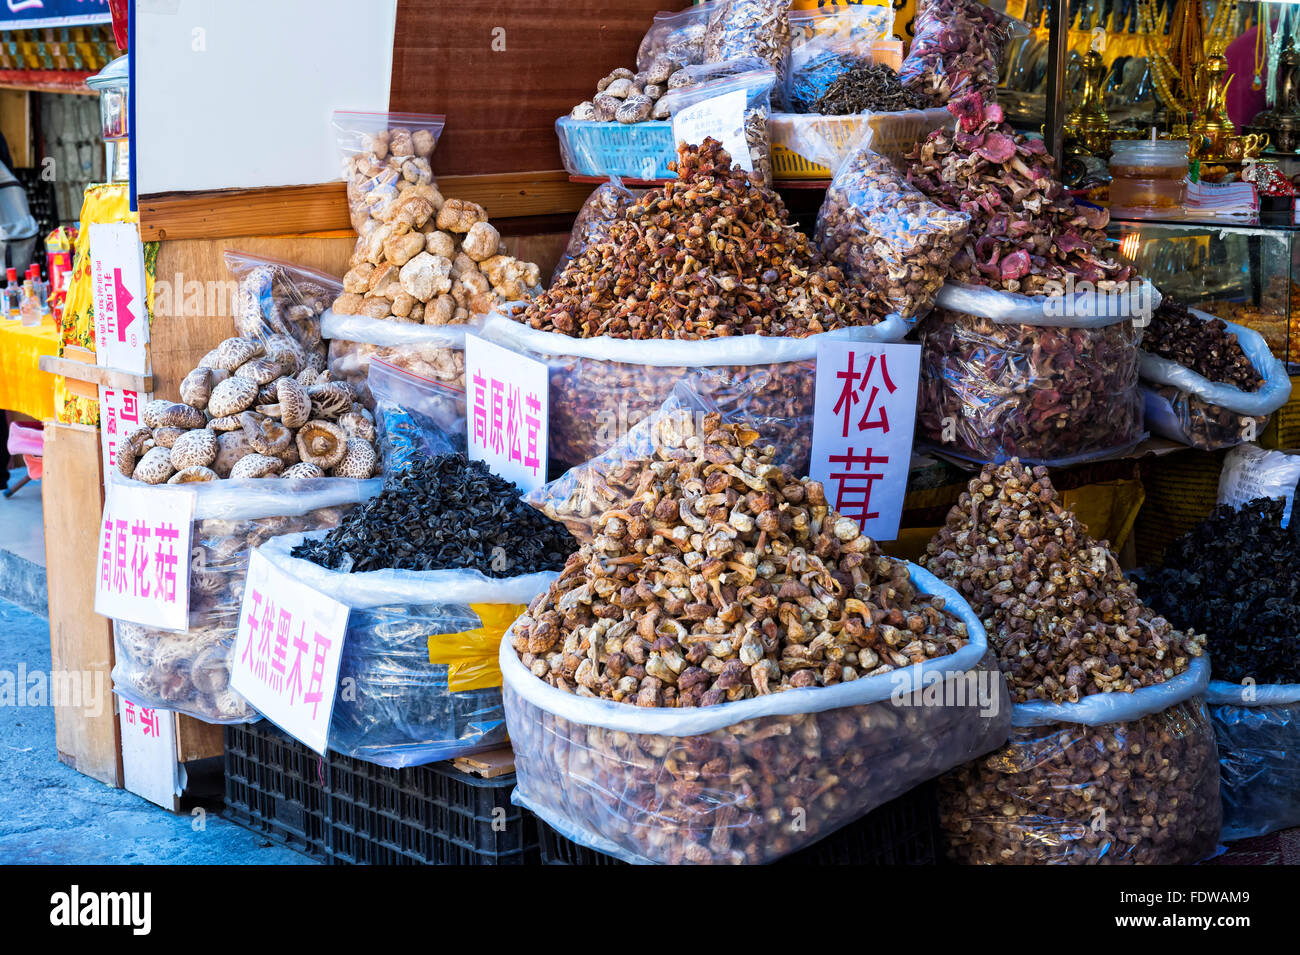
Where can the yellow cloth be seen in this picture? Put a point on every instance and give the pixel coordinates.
(23, 386)
(471, 657)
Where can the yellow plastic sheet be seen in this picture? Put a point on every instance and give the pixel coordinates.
(471, 657)
(24, 387)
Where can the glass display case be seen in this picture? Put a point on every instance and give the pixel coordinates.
(1242, 273)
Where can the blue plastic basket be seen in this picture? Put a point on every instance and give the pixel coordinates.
(629, 150)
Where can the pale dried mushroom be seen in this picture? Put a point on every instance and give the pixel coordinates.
(356, 424)
(261, 371)
(329, 399)
(294, 406)
(155, 467)
(231, 397)
(196, 448)
(265, 435)
(193, 474)
(231, 446)
(166, 437)
(256, 466)
(149, 414)
(302, 471)
(177, 414)
(196, 388)
(225, 423)
(359, 460)
(322, 443)
(233, 352)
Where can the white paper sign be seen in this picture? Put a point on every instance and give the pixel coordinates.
(723, 118)
(149, 763)
(118, 290)
(506, 421)
(119, 415)
(287, 652)
(862, 430)
(144, 556)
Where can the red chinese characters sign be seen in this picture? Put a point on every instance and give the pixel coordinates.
(506, 420)
(143, 556)
(862, 431)
(287, 652)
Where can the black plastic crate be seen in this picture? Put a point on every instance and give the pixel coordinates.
(904, 831)
(346, 811)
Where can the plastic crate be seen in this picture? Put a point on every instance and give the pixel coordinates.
(346, 811)
(629, 150)
(893, 136)
(904, 831)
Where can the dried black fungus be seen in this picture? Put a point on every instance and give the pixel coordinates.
(443, 513)
(1236, 577)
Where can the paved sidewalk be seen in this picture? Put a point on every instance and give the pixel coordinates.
(52, 814)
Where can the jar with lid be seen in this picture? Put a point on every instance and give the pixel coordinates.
(113, 85)
(1148, 177)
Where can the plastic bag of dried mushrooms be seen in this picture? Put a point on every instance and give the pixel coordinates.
(280, 304)
(436, 352)
(1186, 406)
(421, 652)
(727, 670)
(1258, 733)
(1051, 382)
(189, 672)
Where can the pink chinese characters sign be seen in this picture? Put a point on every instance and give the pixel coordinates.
(287, 652)
(506, 423)
(144, 551)
(862, 430)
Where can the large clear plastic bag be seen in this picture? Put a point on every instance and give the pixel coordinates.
(1250, 472)
(751, 781)
(280, 305)
(676, 36)
(826, 43)
(1048, 394)
(958, 47)
(1068, 789)
(602, 387)
(421, 652)
(415, 418)
(1258, 734)
(881, 231)
(1185, 406)
(436, 352)
(761, 28)
(603, 207)
(757, 85)
(189, 672)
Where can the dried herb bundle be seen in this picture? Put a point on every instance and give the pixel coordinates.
(1236, 577)
(868, 86)
(446, 512)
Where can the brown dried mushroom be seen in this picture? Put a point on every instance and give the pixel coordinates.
(322, 443)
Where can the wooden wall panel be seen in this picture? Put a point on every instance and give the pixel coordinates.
(501, 104)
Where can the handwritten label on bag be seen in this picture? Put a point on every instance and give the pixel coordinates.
(287, 652)
(506, 424)
(862, 430)
(144, 556)
(723, 118)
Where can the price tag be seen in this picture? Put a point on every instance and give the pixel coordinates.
(723, 118)
(117, 275)
(863, 420)
(508, 404)
(144, 567)
(287, 652)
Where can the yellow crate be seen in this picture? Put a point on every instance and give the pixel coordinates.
(893, 136)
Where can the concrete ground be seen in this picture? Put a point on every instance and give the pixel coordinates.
(52, 814)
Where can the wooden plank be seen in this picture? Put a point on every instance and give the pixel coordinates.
(503, 71)
(323, 207)
(16, 125)
(489, 765)
(95, 374)
(197, 740)
(81, 642)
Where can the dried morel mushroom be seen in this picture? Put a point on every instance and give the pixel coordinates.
(444, 512)
(709, 254)
(722, 579)
(1024, 232)
(1058, 611)
(1236, 577)
(1203, 345)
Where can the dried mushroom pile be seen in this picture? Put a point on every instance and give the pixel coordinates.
(1025, 232)
(1235, 576)
(957, 49)
(440, 513)
(860, 86)
(633, 97)
(722, 579)
(277, 301)
(1060, 614)
(707, 255)
(420, 257)
(252, 409)
(1203, 345)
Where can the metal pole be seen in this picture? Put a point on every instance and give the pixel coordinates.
(1057, 59)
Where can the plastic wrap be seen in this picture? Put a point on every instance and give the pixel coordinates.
(415, 417)
(605, 205)
(1142, 788)
(1044, 393)
(757, 86)
(387, 163)
(753, 780)
(1190, 408)
(189, 672)
(1258, 733)
(761, 28)
(881, 231)
(421, 650)
(824, 44)
(957, 47)
(601, 387)
(279, 303)
(1081, 308)
(677, 36)
(1250, 472)
(436, 352)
